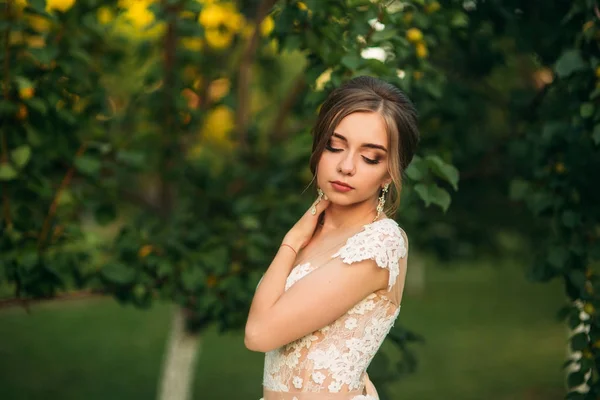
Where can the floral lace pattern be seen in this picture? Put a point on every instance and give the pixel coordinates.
(381, 242)
(334, 359)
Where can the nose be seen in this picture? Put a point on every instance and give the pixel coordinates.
(346, 165)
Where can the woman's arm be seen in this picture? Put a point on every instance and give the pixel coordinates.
(272, 285)
(313, 302)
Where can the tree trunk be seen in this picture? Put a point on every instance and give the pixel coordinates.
(179, 364)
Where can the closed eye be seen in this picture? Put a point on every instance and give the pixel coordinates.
(370, 161)
(332, 149)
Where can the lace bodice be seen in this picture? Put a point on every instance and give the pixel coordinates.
(331, 362)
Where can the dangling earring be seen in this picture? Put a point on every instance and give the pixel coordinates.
(381, 201)
(313, 210)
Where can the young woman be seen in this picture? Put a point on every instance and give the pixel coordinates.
(333, 290)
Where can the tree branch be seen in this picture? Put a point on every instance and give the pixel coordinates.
(52, 210)
(277, 131)
(170, 43)
(79, 295)
(244, 79)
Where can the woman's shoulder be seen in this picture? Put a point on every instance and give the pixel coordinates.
(382, 241)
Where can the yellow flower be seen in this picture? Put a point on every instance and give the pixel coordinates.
(217, 125)
(139, 15)
(15, 38)
(422, 51)
(218, 89)
(39, 23)
(301, 5)
(26, 93)
(36, 42)
(212, 16)
(145, 251)
(598, 72)
(588, 25)
(414, 35)
(589, 308)
(218, 39)
(235, 21)
(267, 25)
(60, 5)
(105, 15)
(408, 17)
(192, 43)
(560, 168)
(418, 75)
(432, 7)
(20, 4)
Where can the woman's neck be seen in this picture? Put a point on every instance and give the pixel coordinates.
(343, 217)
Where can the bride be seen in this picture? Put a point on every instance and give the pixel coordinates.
(333, 290)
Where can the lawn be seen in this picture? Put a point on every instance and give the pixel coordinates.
(490, 335)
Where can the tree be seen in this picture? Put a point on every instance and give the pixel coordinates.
(156, 117)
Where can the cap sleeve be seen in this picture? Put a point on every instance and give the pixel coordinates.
(381, 241)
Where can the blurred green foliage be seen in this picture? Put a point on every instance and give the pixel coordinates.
(181, 128)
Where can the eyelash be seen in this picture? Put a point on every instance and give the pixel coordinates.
(367, 160)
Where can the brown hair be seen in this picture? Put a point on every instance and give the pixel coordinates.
(368, 94)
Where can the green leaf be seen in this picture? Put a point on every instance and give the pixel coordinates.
(586, 110)
(38, 5)
(417, 170)
(351, 61)
(444, 170)
(575, 379)
(433, 194)
(596, 135)
(132, 158)
(7, 172)
(570, 61)
(21, 155)
(579, 341)
(518, 189)
(164, 269)
(557, 257)
(192, 278)
(38, 104)
(118, 273)
(385, 34)
(33, 137)
(44, 55)
(577, 278)
(23, 83)
(88, 165)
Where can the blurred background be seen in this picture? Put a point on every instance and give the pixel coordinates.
(152, 153)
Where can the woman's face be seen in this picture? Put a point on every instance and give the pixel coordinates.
(353, 166)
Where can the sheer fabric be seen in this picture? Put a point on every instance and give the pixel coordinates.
(331, 363)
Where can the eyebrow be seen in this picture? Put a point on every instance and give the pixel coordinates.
(368, 145)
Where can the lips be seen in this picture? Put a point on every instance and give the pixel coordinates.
(342, 184)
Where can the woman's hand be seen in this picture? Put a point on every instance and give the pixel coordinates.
(301, 233)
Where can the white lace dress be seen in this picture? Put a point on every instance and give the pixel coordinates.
(331, 363)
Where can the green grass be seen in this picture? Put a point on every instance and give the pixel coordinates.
(490, 335)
